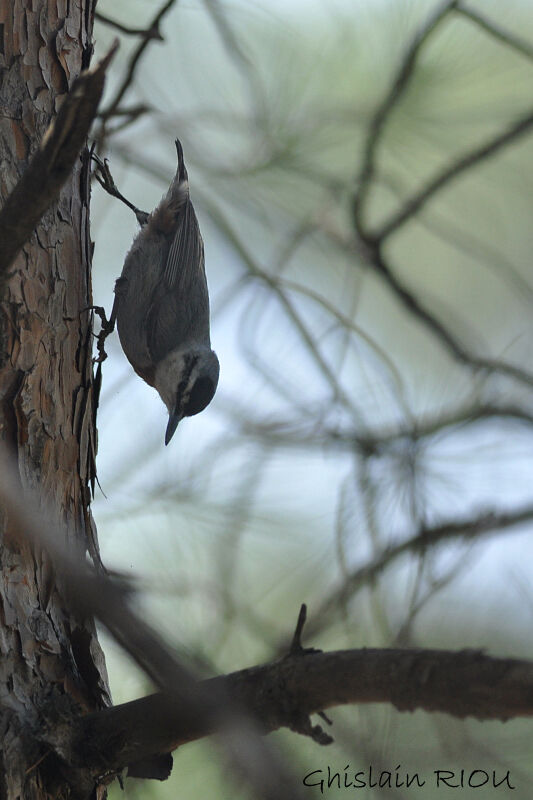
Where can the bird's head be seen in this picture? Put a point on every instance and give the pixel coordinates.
(186, 381)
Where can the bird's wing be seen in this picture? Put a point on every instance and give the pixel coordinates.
(186, 249)
(180, 306)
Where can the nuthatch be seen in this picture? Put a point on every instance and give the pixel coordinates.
(162, 305)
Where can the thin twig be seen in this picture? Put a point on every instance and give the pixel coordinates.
(372, 252)
(236, 52)
(409, 300)
(136, 56)
(253, 268)
(147, 33)
(377, 125)
(467, 242)
(375, 239)
(471, 529)
(451, 171)
(90, 594)
(292, 432)
(508, 38)
(296, 644)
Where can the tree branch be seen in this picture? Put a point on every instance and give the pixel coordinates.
(290, 432)
(374, 239)
(507, 38)
(370, 250)
(467, 530)
(92, 594)
(149, 35)
(376, 258)
(377, 125)
(462, 683)
(419, 199)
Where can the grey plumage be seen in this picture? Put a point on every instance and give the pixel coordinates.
(162, 305)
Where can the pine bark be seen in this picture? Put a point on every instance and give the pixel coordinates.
(51, 665)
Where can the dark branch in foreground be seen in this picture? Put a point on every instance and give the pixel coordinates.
(92, 594)
(463, 683)
(52, 163)
(283, 693)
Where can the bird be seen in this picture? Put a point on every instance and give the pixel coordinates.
(161, 304)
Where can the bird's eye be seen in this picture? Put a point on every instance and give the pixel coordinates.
(201, 395)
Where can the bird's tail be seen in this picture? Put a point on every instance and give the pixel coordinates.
(182, 171)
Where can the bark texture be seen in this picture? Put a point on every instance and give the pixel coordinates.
(51, 665)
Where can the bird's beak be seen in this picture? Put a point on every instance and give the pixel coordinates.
(173, 420)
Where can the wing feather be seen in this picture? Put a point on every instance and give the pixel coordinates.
(180, 306)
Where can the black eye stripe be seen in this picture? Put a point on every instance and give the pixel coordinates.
(189, 366)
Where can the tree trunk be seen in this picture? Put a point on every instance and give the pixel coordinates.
(51, 665)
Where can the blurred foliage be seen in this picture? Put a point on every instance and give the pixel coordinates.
(271, 497)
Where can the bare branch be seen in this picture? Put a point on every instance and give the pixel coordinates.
(476, 247)
(472, 529)
(376, 258)
(462, 683)
(506, 37)
(371, 251)
(236, 53)
(375, 239)
(377, 125)
(136, 56)
(147, 33)
(91, 594)
(52, 163)
(291, 432)
(254, 270)
(419, 199)
(280, 694)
